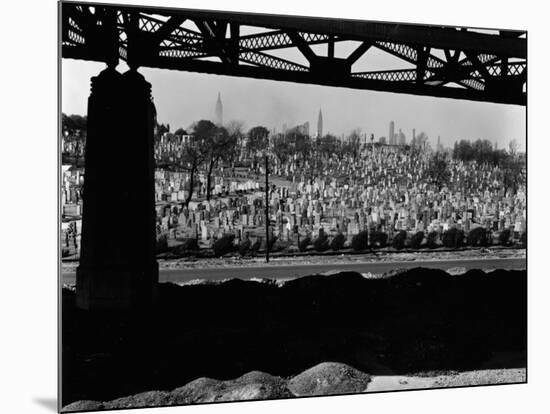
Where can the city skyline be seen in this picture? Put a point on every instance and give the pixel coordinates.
(183, 98)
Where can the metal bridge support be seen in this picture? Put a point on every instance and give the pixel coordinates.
(118, 269)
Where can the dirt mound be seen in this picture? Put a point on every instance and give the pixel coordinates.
(144, 399)
(252, 386)
(83, 405)
(329, 378)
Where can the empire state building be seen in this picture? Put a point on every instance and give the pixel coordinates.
(219, 111)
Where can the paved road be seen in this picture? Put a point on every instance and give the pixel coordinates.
(292, 271)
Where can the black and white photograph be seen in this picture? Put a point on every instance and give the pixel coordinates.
(242, 207)
(260, 207)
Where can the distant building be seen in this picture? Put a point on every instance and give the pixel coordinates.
(402, 138)
(219, 111)
(391, 135)
(320, 124)
(302, 129)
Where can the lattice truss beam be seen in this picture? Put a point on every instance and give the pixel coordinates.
(448, 62)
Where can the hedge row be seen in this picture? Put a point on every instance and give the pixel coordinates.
(364, 240)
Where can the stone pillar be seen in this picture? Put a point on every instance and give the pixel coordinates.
(118, 270)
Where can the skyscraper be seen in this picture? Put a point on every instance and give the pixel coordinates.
(320, 124)
(219, 111)
(391, 135)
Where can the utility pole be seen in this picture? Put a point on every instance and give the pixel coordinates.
(266, 210)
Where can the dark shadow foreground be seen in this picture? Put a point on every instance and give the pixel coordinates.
(418, 320)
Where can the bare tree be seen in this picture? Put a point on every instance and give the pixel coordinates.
(420, 146)
(302, 146)
(438, 170)
(196, 151)
(281, 148)
(353, 146)
(513, 147)
(421, 141)
(257, 139)
(329, 145)
(236, 130)
(221, 147)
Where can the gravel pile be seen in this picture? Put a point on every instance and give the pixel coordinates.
(329, 378)
(323, 379)
(482, 377)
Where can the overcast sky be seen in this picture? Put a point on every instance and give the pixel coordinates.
(184, 97)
